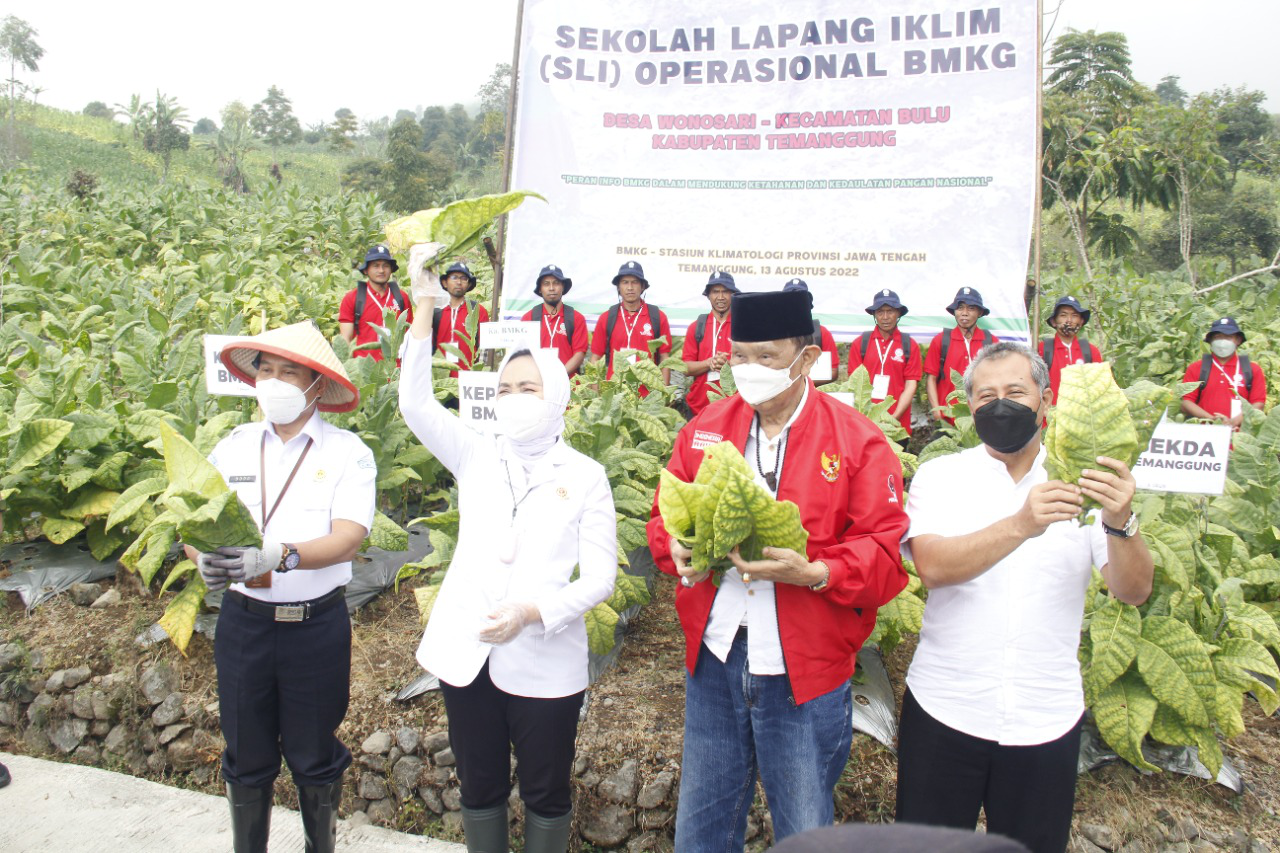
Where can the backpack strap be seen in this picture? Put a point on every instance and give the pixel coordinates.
(655, 321)
(864, 341)
(398, 295)
(943, 346)
(568, 323)
(700, 328)
(1246, 370)
(1047, 349)
(1086, 351)
(1206, 361)
(609, 325)
(362, 296)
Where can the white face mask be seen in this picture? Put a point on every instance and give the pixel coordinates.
(525, 417)
(759, 384)
(1223, 347)
(281, 402)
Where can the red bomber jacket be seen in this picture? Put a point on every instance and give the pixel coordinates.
(846, 480)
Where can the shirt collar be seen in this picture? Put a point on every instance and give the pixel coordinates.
(986, 460)
(804, 398)
(313, 429)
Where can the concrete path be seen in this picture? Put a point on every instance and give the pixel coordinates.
(51, 807)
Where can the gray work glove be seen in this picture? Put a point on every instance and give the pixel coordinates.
(244, 563)
(215, 577)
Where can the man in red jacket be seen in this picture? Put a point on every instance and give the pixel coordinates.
(770, 651)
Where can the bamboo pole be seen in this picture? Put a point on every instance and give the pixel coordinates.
(507, 152)
(1036, 223)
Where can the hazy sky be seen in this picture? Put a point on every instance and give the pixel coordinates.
(382, 57)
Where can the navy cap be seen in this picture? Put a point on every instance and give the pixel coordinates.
(722, 278)
(968, 296)
(465, 270)
(887, 298)
(1069, 302)
(378, 253)
(1224, 326)
(633, 269)
(798, 284)
(556, 273)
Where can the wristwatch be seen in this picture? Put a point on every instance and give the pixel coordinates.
(289, 559)
(1130, 527)
(822, 584)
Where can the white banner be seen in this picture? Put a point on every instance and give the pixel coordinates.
(857, 147)
(1186, 458)
(476, 392)
(217, 379)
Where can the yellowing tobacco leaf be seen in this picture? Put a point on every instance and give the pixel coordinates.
(1091, 419)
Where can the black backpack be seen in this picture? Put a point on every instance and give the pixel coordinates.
(946, 345)
(1246, 370)
(435, 323)
(1086, 350)
(612, 322)
(362, 296)
(569, 319)
(865, 340)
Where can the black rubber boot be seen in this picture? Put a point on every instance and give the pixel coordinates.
(486, 829)
(546, 834)
(4, 776)
(250, 817)
(319, 807)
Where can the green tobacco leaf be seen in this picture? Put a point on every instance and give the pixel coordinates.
(628, 591)
(404, 232)
(102, 542)
(179, 619)
(91, 428)
(1168, 727)
(110, 474)
(1148, 403)
(221, 521)
(158, 544)
(59, 530)
(732, 521)
(91, 502)
(1242, 664)
(1114, 632)
(602, 623)
(388, 535)
(132, 499)
(1175, 665)
(1090, 419)
(1250, 621)
(1228, 703)
(778, 526)
(678, 503)
(179, 570)
(425, 598)
(1124, 713)
(36, 440)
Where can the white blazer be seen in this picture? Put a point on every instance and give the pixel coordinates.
(565, 519)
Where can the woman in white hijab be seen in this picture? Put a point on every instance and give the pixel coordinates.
(506, 635)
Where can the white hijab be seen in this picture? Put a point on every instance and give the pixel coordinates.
(555, 400)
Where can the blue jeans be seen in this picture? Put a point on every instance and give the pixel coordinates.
(737, 725)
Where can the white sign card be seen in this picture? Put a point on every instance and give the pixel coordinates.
(1185, 458)
(476, 394)
(845, 397)
(217, 379)
(821, 370)
(510, 334)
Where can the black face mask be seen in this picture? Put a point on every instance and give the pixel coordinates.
(1006, 426)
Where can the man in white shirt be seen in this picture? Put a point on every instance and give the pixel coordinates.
(283, 647)
(991, 717)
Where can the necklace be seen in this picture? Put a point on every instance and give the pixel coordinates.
(771, 477)
(508, 540)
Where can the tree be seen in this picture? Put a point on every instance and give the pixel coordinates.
(409, 114)
(164, 133)
(97, 109)
(235, 113)
(138, 112)
(407, 175)
(496, 92)
(375, 136)
(1170, 92)
(435, 121)
(315, 133)
(272, 120)
(363, 176)
(230, 146)
(1096, 66)
(205, 127)
(342, 131)
(1237, 224)
(18, 45)
(1245, 130)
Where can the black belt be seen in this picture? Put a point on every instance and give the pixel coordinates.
(298, 611)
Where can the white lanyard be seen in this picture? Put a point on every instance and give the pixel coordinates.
(629, 329)
(883, 353)
(1232, 382)
(557, 323)
(382, 306)
(453, 321)
(715, 334)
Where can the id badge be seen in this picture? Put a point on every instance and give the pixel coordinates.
(821, 370)
(713, 376)
(634, 358)
(879, 387)
(1237, 407)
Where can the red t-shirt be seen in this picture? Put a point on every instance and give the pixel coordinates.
(453, 327)
(1065, 352)
(959, 353)
(373, 305)
(715, 339)
(886, 355)
(829, 347)
(1222, 384)
(555, 335)
(632, 331)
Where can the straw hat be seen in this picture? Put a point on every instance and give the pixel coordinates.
(301, 343)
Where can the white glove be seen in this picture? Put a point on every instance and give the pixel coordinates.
(423, 281)
(215, 577)
(243, 563)
(508, 620)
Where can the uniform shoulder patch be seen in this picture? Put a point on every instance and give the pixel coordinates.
(703, 439)
(367, 462)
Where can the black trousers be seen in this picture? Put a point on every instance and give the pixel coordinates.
(485, 723)
(283, 687)
(946, 776)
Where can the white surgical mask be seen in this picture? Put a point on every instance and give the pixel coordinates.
(1223, 347)
(281, 402)
(759, 384)
(527, 417)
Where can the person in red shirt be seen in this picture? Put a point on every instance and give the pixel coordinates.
(822, 339)
(451, 324)
(960, 343)
(888, 353)
(1067, 347)
(563, 329)
(706, 343)
(381, 293)
(1228, 378)
(632, 323)
(769, 651)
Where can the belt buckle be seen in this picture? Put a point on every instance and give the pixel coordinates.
(290, 613)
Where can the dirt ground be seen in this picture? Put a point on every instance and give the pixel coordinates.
(635, 711)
